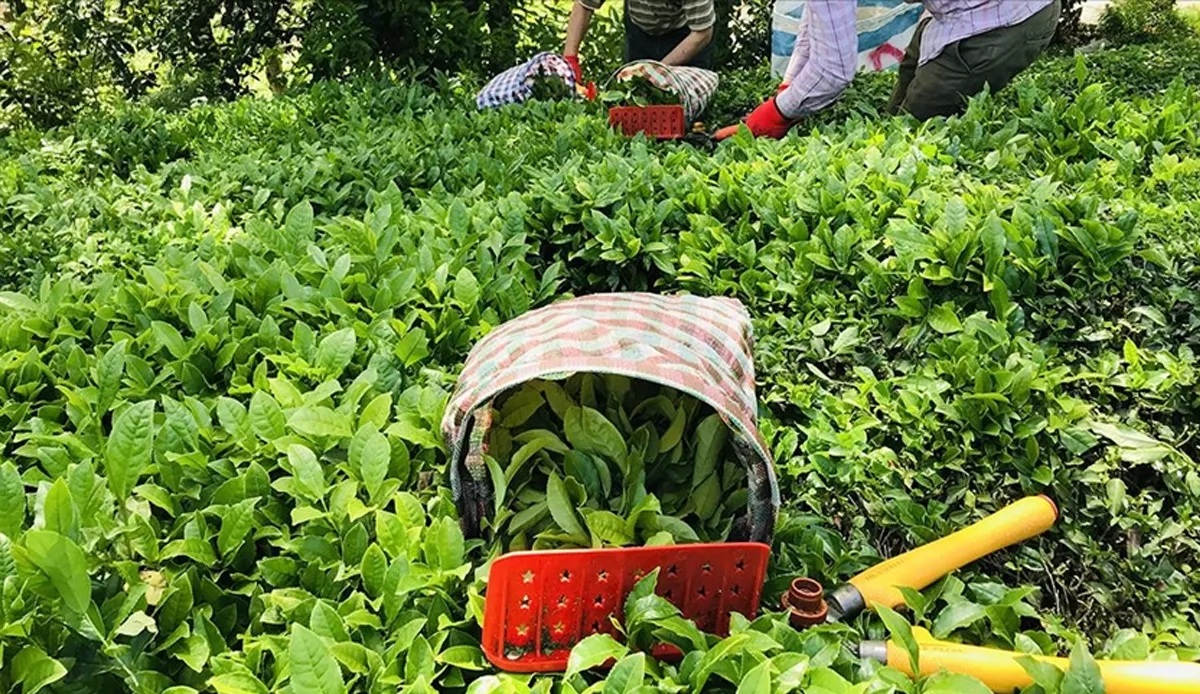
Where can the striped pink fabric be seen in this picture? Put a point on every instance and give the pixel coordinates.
(701, 346)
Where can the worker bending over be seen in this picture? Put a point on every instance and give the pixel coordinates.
(675, 32)
(957, 48)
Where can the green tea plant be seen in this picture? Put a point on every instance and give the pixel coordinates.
(228, 334)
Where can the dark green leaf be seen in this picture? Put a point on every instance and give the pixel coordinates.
(236, 521)
(127, 453)
(956, 616)
(901, 633)
(591, 432)
(562, 509)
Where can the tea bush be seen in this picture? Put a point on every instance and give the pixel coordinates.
(207, 315)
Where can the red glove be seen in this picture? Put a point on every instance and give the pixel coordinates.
(782, 88)
(768, 121)
(573, 60)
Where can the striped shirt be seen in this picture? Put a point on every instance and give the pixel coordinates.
(826, 54)
(661, 16)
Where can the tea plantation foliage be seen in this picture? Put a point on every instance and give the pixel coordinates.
(227, 335)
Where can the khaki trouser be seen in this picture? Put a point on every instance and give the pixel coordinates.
(942, 86)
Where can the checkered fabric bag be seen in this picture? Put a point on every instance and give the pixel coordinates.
(700, 346)
(515, 85)
(694, 86)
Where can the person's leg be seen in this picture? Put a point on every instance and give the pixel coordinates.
(908, 67)
(942, 86)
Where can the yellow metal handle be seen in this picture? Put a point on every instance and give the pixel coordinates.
(922, 566)
(1001, 672)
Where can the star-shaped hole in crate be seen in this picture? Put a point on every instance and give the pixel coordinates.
(525, 602)
(527, 577)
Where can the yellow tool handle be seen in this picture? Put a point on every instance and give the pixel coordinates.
(922, 566)
(1001, 672)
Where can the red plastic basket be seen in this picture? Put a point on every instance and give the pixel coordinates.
(663, 122)
(540, 604)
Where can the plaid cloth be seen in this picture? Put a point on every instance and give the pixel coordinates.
(515, 85)
(694, 86)
(700, 346)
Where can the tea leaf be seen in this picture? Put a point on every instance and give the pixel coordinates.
(12, 500)
(235, 523)
(591, 432)
(313, 666)
(592, 651)
(127, 452)
(64, 564)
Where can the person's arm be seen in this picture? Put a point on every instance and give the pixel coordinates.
(577, 25)
(830, 39)
(701, 19)
(832, 60)
(799, 57)
(689, 47)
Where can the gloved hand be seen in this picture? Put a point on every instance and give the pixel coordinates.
(768, 121)
(764, 121)
(574, 62)
(782, 88)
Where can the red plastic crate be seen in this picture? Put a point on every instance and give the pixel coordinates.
(540, 604)
(660, 122)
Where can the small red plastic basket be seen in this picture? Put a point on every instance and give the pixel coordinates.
(663, 122)
(540, 604)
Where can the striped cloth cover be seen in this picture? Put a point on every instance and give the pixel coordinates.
(694, 86)
(515, 85)
(700, 346)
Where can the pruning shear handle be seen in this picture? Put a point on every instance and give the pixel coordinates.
(917, 569)
(1001, 670)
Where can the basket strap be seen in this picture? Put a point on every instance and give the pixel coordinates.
(475, 492)
(762, 505)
